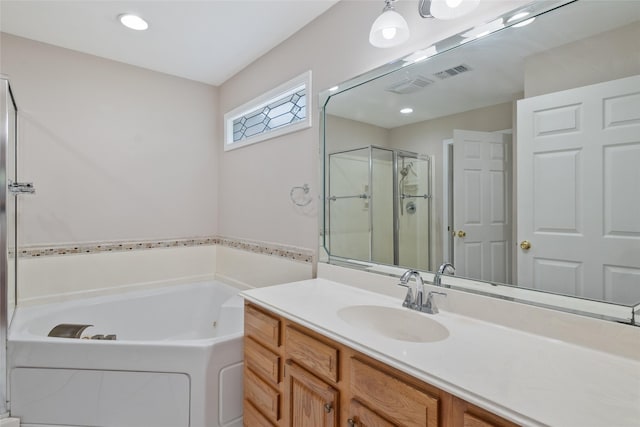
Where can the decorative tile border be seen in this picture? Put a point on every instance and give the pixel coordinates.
(288, 252)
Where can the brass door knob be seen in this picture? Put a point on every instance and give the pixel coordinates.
(525, 244)
(461, 233)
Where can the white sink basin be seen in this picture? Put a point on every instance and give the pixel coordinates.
(397, 323)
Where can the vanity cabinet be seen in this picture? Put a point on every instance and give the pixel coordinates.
(295, 377)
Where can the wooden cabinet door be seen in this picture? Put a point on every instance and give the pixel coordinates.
(361, 416)
(311, 402)
(392, 397)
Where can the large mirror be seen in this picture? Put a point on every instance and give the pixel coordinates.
(514, 156)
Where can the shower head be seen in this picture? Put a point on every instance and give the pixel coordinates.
(406, 169)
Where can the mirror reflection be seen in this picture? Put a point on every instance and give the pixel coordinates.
(514, 156)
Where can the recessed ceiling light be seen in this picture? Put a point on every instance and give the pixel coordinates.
(133, 21)
(523, 23)
(406, 110)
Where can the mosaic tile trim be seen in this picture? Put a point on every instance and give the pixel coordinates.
(288, 252)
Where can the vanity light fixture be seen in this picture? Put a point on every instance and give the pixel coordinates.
(407, 110)
(389, 29)
(133, 21)
(446, 9)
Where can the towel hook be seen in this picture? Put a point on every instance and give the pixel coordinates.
(300, 199)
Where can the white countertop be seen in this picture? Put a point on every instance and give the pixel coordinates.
(528, 379)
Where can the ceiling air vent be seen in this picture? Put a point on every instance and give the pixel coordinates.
(409, 85)
(453, 71)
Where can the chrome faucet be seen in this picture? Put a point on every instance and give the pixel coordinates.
(412, 301)
(437, 279)
(415, 302)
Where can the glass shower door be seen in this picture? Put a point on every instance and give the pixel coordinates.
(349, 221)
(413, 210)
(8, 203)
(381, 206)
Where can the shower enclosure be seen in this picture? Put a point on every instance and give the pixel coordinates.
(379, 206)
(8, 235)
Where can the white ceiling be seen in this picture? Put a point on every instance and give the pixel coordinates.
(206, 40)
(496, 62)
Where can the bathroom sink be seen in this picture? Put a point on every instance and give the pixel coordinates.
(397, 323)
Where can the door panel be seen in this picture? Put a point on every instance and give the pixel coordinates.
(578, 192)
(482, 205)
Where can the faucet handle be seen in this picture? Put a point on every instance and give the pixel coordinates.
(429, 306)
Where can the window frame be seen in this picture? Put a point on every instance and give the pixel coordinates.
(289, 87)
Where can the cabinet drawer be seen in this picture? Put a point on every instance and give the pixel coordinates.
(468, 415)
(361, 416)
(253, 418)
(399, 401)
(262, 361)
(262, 395)
(473, 421)
(262, 327)
(316, 356)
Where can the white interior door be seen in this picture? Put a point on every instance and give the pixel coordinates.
(481, 206)
(579, 191)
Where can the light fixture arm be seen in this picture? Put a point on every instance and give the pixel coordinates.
(424, 8)
(388, 5)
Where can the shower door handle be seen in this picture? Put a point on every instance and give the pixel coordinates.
(17, 188)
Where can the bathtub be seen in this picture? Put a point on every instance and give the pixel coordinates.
(176, 360)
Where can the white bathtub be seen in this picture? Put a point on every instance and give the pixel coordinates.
(177, 360)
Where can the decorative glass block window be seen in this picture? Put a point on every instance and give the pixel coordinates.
(282, 110)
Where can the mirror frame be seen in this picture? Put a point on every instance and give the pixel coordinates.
(577, 305)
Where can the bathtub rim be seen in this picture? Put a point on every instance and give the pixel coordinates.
(24, 315)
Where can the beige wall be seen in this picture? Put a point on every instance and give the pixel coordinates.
(257, 179)
(572, 65)
(345, 134)
(116, 152)
(122, 153)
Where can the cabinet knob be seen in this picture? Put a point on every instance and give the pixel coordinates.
(351, 422)
(525, 244)
(328, 407)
